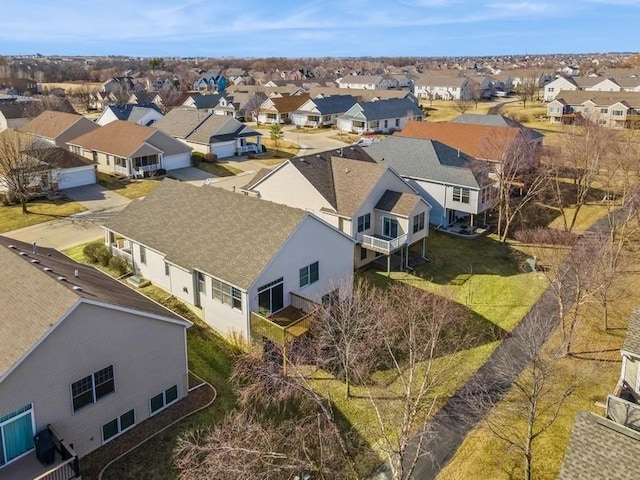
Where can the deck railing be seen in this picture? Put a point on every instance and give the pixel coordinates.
(69, 468)
(383, 245)
(623, 412)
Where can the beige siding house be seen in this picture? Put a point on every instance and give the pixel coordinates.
(617, 110)
(58, 128)
(346, 187)
(81, 354)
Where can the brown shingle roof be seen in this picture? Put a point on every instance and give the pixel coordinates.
(480, 141)
(353, 181)
(34, 300)
(632, 340)
(227, 235)
(289, 103)
(599, 449)
(118, 138)
(50, 124)
(397, 202)
(604, 99)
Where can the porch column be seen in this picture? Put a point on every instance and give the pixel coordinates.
(424, 247)
(388, 265)
(401, 258)
(407, 258)
(471, 221)
(108, 238)
(485, 217)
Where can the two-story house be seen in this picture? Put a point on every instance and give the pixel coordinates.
(368, 82)
(141, 114)
(456, 185)
(279, 109)
(379, 116)
(435, 87)
(614, 110)
(369, 202)
(83, 358)
(237, 260)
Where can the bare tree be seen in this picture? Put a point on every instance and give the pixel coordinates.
(476, 92)
(83, 95)
(120, 94)
(253, 106)
(20, 171)
(463, 105)
(536, 396)
(520, 178)
(583, 153)
(528, 89)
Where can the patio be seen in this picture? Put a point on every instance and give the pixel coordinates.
(462, 229)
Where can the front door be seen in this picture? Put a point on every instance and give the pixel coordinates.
(389, 227)
(16, 434)
(271, 297)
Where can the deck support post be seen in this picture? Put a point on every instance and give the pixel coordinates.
(388, 265)
(424, 247)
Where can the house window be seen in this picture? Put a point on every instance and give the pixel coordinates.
(118, 425)
(95, 156)
(551, 89)
(617, 113)
(604, 110)
(143, 255)
(108, 158)
(92, 388)
(201, 283)
(386, 123)
(364, 222)
(163, 399)
(226, 294)
(363, 253)
(418, 222)
(460, 194)
(397, 122)
(166, 269)
(16, 433)
(389, 227)
(309, 274)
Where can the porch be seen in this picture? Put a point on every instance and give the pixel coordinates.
(137, 167)
(64, 467)
(382, 244)
(464, 229)
(624, 407)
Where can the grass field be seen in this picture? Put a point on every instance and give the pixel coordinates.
(443, 110)
(126, 187)
(12, 218)
(219, 169)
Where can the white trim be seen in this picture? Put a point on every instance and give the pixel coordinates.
(164, 400)
(120, 431)
(184, 322)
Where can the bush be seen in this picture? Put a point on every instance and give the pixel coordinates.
(196, 158)
(546, 236)
(97, 253)
(210, 157)
(119, 264)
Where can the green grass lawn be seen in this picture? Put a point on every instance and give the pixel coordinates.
(12, 218)
(126, 187)
(219, 169)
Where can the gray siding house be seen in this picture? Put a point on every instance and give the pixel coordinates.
(81, 355)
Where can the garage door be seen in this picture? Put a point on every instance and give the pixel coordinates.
(76, 177)
(181, 160)
(223, 150)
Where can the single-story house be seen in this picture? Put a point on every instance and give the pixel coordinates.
(322, 112)
(279, 109)
(125, 148)
(210, 133)
(382, 116)
(235, 259)
(58, 128)
(141, 114)
(83, 358)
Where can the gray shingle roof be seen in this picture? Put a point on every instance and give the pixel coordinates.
(604, 99)
(227, 235)
(391, 108)
(132, 112)
(632, 340)
(600, 449)
(27, 317)
(429, 160)
(495, 121)
(206, 101)
(397, 202)
(334, 104)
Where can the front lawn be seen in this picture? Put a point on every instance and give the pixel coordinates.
(445, 110)
(12, 218)
(219, 169)
(127, 187)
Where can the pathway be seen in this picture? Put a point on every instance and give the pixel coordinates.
(454, 421)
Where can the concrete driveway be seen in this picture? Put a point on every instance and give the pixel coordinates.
(96, 197)
(191, 175)
(313, 142)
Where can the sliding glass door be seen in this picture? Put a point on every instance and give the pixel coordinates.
(16, 434)
(271, 297)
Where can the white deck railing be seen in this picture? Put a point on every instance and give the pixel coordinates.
(383, 245)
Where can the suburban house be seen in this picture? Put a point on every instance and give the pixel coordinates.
(617, 83)
(14, 115)
(499, 121)
(456, 185)
(142, 97)
(145, 114)
(614, 110)
(84, 359)
(210, 133)
(58, 128)
(279, 109)
(121, 83)
(368, 201)
(381, 116)
(484, 142)
(125, 148)
(202, 102)
(442, 87)
(211, 80)
(240, 105)
(237, 260)
(322, 112)
(368, 82)
(608, 447)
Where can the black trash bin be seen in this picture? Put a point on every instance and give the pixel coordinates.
(45, 449)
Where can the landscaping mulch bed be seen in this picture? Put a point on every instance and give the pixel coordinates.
(92, 464)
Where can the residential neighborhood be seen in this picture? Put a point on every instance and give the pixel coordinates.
(308, 242)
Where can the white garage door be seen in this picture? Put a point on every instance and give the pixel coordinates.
(76, 177)
(177, 161)
(223, 150)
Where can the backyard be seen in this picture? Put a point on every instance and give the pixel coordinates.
(12, 218)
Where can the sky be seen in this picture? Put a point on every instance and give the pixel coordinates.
(317, 28)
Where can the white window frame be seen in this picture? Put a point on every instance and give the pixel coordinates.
(164, 400)
(118, 419)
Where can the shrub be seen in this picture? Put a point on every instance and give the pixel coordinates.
(97, 253)
(119, 264)
(210, 157)
(196, 158)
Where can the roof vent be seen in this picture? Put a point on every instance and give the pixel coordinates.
(48, 269)
(62, 279)
(346, 170)
(35, 260)
(77, 288)
(13, 247)
(24, 254)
